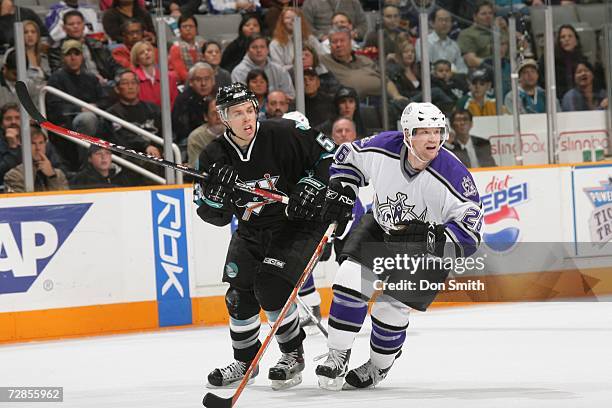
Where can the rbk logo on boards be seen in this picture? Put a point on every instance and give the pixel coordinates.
(29, 238)
(171, 258)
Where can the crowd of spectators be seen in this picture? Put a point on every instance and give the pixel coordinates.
(105, 54)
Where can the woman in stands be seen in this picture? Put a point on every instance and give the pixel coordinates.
(257, 82)
(143, 60)
(235, 51)
(8, 16)
(281, 46)
(211, 52)
(568, 52)
(36, 53)
(585, 95)
(187, 50)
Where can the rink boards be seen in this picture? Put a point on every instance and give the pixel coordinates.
(104, 261)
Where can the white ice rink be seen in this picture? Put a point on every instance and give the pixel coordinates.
(523, 355)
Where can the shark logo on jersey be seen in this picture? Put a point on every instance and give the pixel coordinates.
(257, 203)
(469, 189)
(397, 210)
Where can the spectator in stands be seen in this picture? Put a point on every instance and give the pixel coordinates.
(235, 51)
(393, 35)
(584, 95)
(277, 104)
(211, 52)
(477, 101)
(319, 106)
(441, 47)
(10, 140)
(97, 58)
(190, 105)
(568, 52)
(351, 70)
(341, 20)
(187, 50)
(310, 59)
(257, 82)
(257, 57)
(177, 8)
(99, 171)
(532, 98)
(122, 10)
(201, 136)
(143, 58)
(476, 42)
(346, 105)
(319, 14)
(145, 115)
(131, 32)
(343, 131)
(281, 46)
(473, 151)
(55, 22)
(8, 16)
(506, 69)
(273, 10)
(36, 55)
(405, 75)
(233, 6)
(46, 177)
(8, 77)
(74, 80)
(446, 87)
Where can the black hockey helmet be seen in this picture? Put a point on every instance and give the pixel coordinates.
(234, 94)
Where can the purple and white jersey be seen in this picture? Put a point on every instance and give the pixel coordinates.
(443, 193)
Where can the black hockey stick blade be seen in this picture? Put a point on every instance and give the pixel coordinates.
(28, 104)
(214, 401)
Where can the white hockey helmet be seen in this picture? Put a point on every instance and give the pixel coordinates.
(423, 115)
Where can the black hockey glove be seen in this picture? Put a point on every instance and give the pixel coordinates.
(306, 200)
(220, 185)
(419, 237)
(338, 205)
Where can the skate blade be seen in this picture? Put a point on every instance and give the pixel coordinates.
(228, 386)
(331, 384)
(278, 385)
(348, 387)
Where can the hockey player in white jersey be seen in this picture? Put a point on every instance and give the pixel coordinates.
(426, 202)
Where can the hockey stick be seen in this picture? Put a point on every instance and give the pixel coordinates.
(28, 104)
(314, 318)
(214, 401)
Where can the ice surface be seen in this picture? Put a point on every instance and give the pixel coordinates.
(520, 355)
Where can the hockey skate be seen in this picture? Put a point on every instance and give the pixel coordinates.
(306, 322)
(231, 375)
(331, 373)
(366, 375)
(287, 372)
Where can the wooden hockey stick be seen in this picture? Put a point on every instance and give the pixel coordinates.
(214, 401)
(28, 104)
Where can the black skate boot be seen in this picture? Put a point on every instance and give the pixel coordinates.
(287, 372)
(231, 375)
(331, 373)
(367, 375)
(306, 322)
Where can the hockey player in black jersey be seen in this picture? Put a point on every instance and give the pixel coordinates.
(273, 242)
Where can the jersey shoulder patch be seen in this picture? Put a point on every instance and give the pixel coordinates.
(449, 170)
(385, 142)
